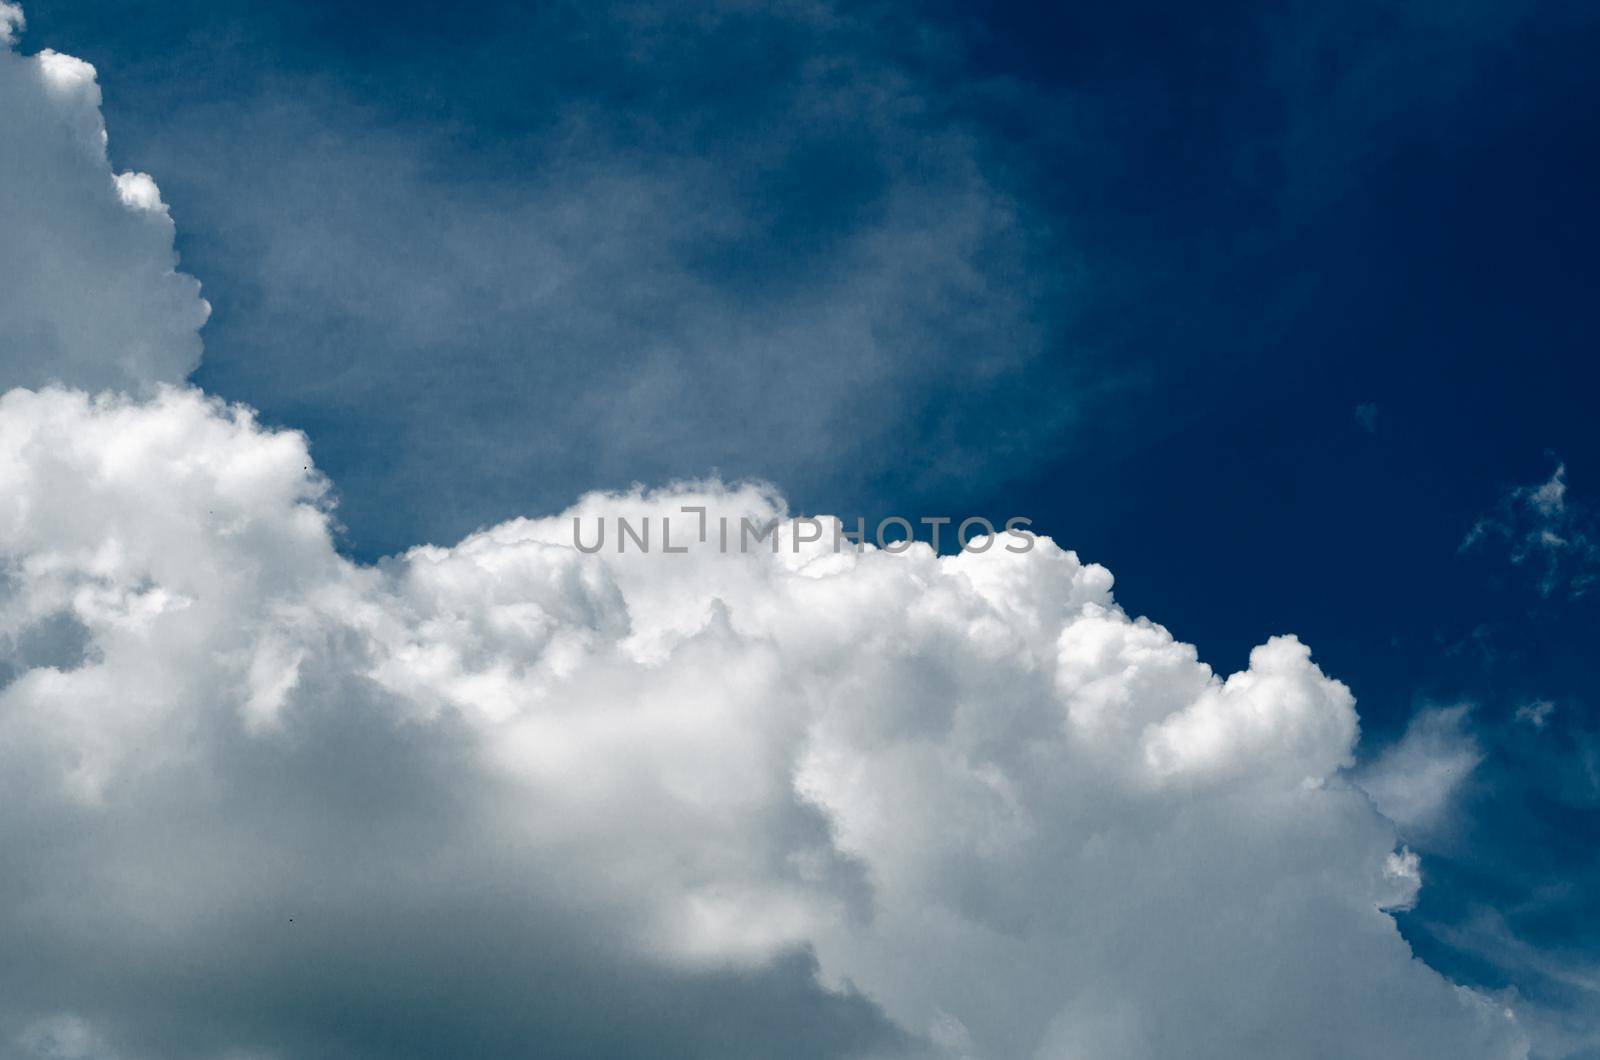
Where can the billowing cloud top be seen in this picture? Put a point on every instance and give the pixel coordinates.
(506, 796)
(1017, 820)
(92, 295)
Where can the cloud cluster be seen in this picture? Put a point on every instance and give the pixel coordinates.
(1001, 817)
(504, 797)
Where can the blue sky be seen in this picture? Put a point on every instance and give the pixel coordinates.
(1265, 307)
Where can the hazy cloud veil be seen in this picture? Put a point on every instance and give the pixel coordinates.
(500, 797)
(765, 239)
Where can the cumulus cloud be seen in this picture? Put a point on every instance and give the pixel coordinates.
(975, 800)
(263, 801)
(92, 295)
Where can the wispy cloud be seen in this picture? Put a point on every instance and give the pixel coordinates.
(1536, 713)
(1414, 781)
(1559, 993)
(1542, 529)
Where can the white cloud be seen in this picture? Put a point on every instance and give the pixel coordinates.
(260, 800)
(11, 22)
(979, 792)
(1403, 868)
(92, 295)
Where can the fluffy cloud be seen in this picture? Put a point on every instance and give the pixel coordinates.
(261, 801)
(91, 292)
(969, 788)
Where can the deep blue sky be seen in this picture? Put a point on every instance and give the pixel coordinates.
(1129, 270)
